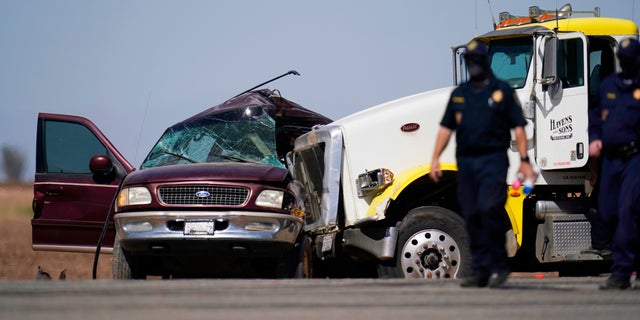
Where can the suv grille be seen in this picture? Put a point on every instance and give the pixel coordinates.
(203, 195)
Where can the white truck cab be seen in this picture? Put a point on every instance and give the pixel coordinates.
(369, 197)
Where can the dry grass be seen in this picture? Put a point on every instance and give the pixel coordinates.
(18, 261)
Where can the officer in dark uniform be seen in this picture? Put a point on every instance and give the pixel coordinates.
(614, 132)
(482, 112)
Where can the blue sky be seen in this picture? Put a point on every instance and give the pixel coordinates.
(136, 67)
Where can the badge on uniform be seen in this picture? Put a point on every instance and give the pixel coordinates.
(496, 97)
(458, 117)
(636, 94)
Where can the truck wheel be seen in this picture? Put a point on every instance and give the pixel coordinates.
(122, 267)
(432, 244)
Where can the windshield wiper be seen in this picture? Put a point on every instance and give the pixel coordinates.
(181, 156)
(232, 158)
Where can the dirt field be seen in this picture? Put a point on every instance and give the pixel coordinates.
(18, 261)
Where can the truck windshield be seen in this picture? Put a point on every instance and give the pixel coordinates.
(510, 59)
(244, 135)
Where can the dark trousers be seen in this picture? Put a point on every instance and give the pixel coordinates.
(619, 205)
(482, 194)
(601, 232)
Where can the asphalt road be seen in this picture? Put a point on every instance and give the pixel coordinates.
(327, 299)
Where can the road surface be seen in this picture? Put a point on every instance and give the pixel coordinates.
(327, 299)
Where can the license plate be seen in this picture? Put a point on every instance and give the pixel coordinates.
(327, 242)
(198, 227)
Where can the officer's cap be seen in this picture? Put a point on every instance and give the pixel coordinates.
(629, 47)
(475, 48)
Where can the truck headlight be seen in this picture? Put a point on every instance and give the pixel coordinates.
(270, 199)
(134, 196)
(373, 180)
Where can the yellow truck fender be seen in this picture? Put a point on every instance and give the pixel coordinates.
(513, 206)
(400, 182)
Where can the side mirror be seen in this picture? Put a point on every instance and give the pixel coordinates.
(550, 61)
(550, 67)
(100, 165)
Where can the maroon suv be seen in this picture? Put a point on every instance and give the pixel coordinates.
(212, 198)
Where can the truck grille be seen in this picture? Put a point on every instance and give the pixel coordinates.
(206, 195)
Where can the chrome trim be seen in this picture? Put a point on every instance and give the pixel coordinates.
(287, 230)
(63, 248)
(383, 248)
(217, 195)
(331, 135)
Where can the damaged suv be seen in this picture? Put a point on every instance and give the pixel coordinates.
(212, 198)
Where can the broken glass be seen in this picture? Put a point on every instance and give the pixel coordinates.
(241, 135)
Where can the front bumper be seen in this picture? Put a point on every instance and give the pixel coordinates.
(206, 232)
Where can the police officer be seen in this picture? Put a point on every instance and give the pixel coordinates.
(483, 111)
(614, 132)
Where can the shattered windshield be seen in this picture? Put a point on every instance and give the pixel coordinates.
(510, 59)
(243, 135)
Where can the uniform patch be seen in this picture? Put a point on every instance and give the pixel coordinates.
(625, 43)
(458, 99)
(458, 117)
(497, 96)
(636, 94)
(605, 113)
(611, 95)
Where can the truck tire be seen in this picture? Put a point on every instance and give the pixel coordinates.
(122, 267)
(432, 244)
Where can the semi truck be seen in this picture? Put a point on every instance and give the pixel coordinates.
(371, 208)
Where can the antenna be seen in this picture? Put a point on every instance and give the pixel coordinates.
(274, 79)
(144, 117)
(493, 19)
(476, 18)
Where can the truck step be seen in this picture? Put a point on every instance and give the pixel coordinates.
(564, 237)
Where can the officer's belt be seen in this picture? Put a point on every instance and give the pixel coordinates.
(625, 152)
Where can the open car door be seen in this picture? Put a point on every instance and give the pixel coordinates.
(78, 171)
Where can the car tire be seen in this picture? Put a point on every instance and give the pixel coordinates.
(123, 267)
(432, 244)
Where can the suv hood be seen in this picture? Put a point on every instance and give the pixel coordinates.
(220, 171)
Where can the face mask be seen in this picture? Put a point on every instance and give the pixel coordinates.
(478, 69)
(628, 66)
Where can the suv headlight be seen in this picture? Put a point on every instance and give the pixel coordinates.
(134, 196)
(270, 198)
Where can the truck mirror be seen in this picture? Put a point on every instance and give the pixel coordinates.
(554, 89)
(550, 79)
(549, 62)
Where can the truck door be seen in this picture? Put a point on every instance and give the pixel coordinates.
(70, 202)
(562, 108)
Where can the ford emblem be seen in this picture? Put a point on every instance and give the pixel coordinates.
(202, 194)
